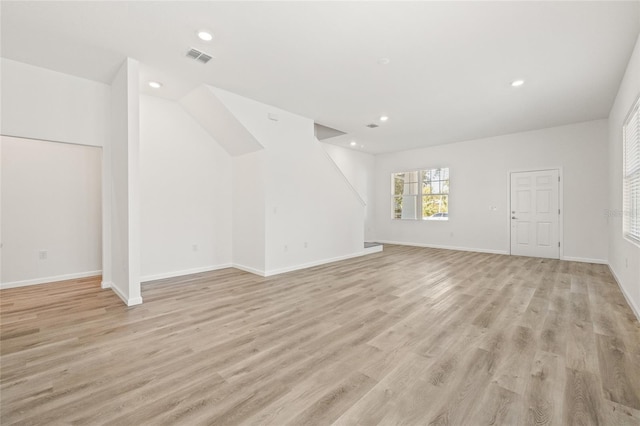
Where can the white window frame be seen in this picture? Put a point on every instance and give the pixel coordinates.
(418, 196)
(631, 175)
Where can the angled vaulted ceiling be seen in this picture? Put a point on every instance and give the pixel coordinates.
(203, 105)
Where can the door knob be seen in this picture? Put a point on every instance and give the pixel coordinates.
(513, 217)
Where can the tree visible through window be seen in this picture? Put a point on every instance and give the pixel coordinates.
(421, 194)
(631, 177)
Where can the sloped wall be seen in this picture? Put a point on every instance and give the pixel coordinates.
(312, 216)
(359, 169)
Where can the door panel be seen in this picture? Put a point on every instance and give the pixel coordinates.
(544, 234)
(535, 214)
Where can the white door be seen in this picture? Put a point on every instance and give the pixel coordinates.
(535, 214)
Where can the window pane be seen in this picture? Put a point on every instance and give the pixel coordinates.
(411, 183)
(398, 185)
(435, 207)
(410, 207)
(631, 176)
(397, 208)
(420, 194)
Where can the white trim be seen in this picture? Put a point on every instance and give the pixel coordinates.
(47, 280)
(635, 309)
(105, 284)
(135, 301)
(373, 249)
(172, 274)
(249, 269)
(434, 246)
(585, 260)
(127, 301)
(312, 264)
(53, 140)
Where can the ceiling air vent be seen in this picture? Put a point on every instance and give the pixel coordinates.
(198, 55)
(372, 125)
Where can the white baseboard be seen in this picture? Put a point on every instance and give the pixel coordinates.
(634, 308)
(373, 249)
(585, 260)
(312, 264)
(46, 280)
(278, 271)
(249, 269)
(127, 301)
(434, 246)
(105, 285)
(174, 274)
(135, 301)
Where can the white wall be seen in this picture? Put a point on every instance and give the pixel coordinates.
(51, 201)
(624, 257)
(121, 223)
(479, 179)
(186, 188)
(249, 200)
(38, 103)
(359, 169)
(312, 215)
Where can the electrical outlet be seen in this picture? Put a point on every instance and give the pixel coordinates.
(42, 255)
(306, 244)
(194, 247)
(286, 247)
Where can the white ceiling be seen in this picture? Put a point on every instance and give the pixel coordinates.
(448, 79)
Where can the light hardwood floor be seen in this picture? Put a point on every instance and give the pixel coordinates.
(406, 336)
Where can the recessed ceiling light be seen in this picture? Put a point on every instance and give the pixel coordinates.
(384, 118)
(205, 35)
(353, 143)
(517, 83)
(155, 84)
(384, 61)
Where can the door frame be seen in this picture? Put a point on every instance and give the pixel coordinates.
(560, 204)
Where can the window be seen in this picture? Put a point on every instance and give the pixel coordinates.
(420, 194)
(631, 175)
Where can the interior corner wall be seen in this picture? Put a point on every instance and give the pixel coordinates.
(38, 103)
(624, 256)
(312, 215)
(479, 172)
(249, 222)
(359, 169)
(122, 198)
(186, 194)
(50, 202)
